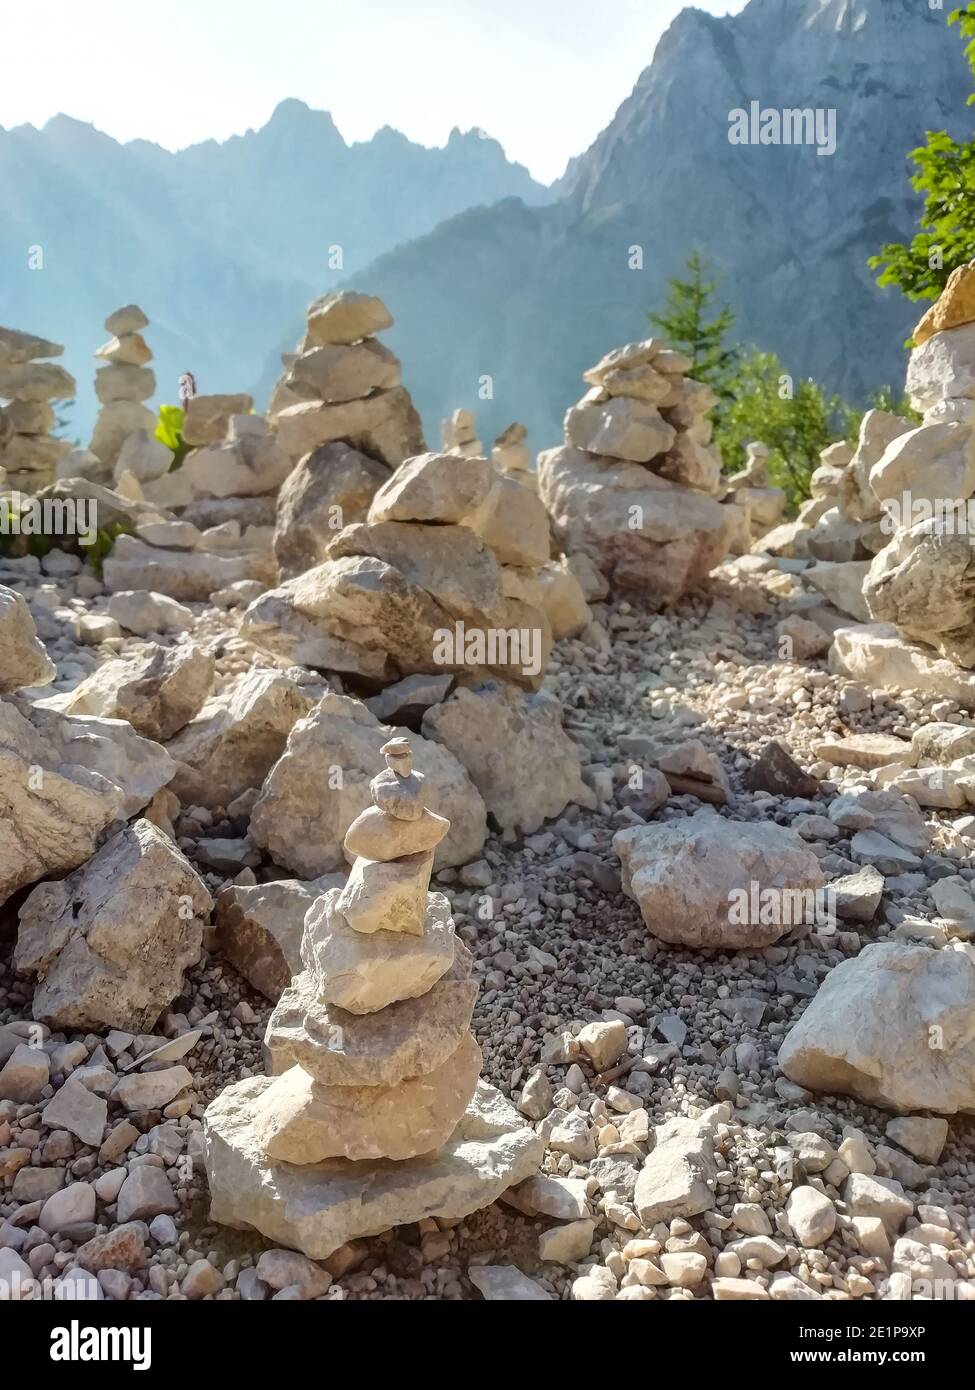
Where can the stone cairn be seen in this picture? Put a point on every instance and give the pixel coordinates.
(29, 453)
(373, 1114)
(635, 486)
(122, 385)
(342, 384)
(763, 505)
(459, 435)
(513, 456)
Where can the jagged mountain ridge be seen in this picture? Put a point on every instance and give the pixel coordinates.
(531, 296)
(220, 243)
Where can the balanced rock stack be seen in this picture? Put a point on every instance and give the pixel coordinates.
(459, 435)
(764, 504)
(373, 1115)
(635, 486)
(513, 456)
(29, 453)
(922, 581)
(122, 385)
(342, 384)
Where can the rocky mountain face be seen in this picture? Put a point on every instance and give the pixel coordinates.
(223, 243)
(530, 296)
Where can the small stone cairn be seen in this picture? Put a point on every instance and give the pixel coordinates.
(373, 1114)
(123, 384)
(459, 435)
(513, 456)
(29, 453)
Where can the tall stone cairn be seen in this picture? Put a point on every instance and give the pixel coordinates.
(343, 384)
(29, 453)
(635, 486)
(373, 1114)
(122, 385)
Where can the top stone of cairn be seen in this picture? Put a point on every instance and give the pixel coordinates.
(346, 317)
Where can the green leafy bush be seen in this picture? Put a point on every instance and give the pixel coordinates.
(169, 431)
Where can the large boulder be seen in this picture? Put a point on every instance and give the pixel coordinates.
(158, 690)
(877, 655)
(23, 658)
(249, 463)
(329, 489)
(924, 583)
(857, 500)
(719, 884)
(110, 942)
(893, 1026)
(239, 733)
(259, 928)
(641, 531)
(623, 428)
(514, 748)
(321, 784)
(942, 368)
(339, 372)
(934, 464)
(395, 599)
(207, 418)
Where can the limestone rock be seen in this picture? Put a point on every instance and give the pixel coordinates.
(64, 780)
(158, 691)
(239, 733)
(639, 530)
(23, 658)
(922, 583)
(339, 1048)
(17, 348)
(330, 488)
(320, 1207)
(677, 1178)
(116, 421)
(187, 576)
(303, 814)
(514, 748)
(437, 488)
(811, 1216)
(111, 941)
(122, 382)
(384, 425)
(942, 367)
(934, 464)
(878, 655)
(143, 612)
(248, 463)
(622, 428)
(347, 317)
(693, 880)
(954, 308)
(891, 1026)
(35, 381)
(337, 372)
(207, 417)
(304, 1122)
(259, 928)
(842, 584)
(364, 973)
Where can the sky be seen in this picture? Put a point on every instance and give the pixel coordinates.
(542, 76)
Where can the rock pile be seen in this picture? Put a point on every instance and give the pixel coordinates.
(750, 488)
(513, 456)
(459, 435)
(635, 486)
(373, 1114)
(343, 384)
(29, 452)
(122, 385)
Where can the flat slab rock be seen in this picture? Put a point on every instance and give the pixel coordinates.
(316, 1208)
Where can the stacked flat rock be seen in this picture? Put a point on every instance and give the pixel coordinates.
(513, 456)
(447, 541)
(925, 482)
(122, 385)
(459, 435)
(29, 453)
(750, 489)
(635, 486)
(342, 384)
(373, 1114)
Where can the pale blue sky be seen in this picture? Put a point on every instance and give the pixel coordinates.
(542, 76)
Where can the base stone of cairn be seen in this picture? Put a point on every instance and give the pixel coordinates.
(122, 385)
(635, 486)
(29, 453)
(373, 1114)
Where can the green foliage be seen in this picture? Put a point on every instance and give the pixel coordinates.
(169, 431)
(691, 323)
(105, 539)
(796, 422)
(945, 175)
(13, 545)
